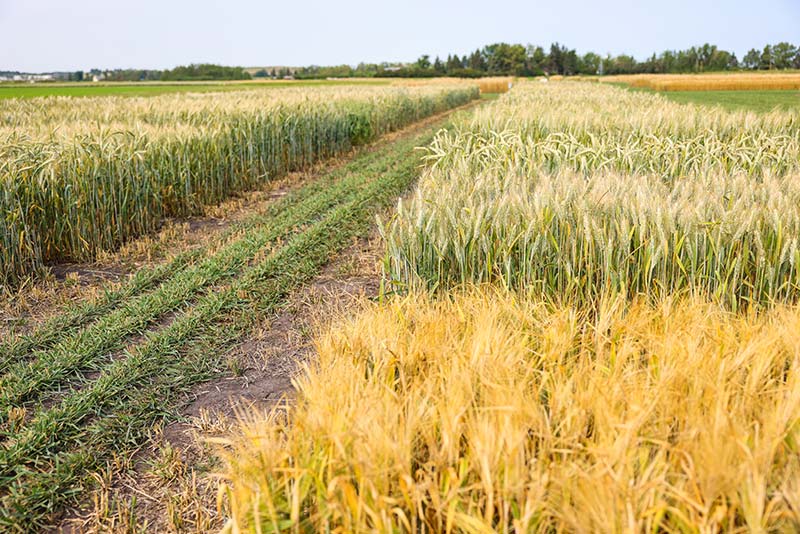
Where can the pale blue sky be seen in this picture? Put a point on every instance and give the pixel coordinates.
(42, 35)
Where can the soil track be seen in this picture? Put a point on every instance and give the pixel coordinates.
(122, 391)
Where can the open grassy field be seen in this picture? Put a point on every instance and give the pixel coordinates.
(738, 100)
(762, 101)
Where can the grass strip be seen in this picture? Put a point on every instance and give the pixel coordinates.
(72, 317)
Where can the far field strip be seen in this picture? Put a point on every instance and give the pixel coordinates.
(762, 101)
(82, 89)
(90, 383)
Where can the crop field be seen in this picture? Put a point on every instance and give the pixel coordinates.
(735, 92)
(593, 329)
(85, 386)
(19, 90)
(82, 176)
(570, 307)
(711, 82)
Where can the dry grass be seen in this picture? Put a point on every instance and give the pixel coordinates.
(484, 413)
(745, 81)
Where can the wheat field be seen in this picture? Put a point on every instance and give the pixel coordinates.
(588, 324)
(631, 195)
(710, 82)
(82, 176)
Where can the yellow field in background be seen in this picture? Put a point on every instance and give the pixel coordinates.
(710, 82)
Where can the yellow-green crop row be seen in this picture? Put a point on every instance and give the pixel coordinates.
(580, 190)
(78, 176)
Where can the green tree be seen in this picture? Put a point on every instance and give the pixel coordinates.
(783, 55)
(752, 59)
(589, 63)
(767, 60)
(503, 58)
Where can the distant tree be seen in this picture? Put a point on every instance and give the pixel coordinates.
(477, 61)
(537, 60)
(438, 66)
(767, 60)
(752, 59)
(503, 58)
(783, 55)
(621, 64)
(453, 64)
(205, 71)
(589, 63)
(555, 61)
(424, 62)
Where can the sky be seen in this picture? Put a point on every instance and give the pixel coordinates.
(53, 35)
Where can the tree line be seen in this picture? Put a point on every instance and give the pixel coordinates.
(193, 72)
(498, 59)
(519, 60)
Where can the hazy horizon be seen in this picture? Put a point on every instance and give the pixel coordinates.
(45, 35)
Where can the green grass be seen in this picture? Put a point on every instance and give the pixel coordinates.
(96, 406)
(152, 89)
(759, 101)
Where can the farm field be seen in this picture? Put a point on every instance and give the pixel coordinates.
(728, 81)
(17, 90)
(86, 386)
(613, 278)
(571, 307)
(762, 101)
(71, 188)
(733, 91)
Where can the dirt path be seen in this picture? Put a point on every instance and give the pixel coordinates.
(168, 483)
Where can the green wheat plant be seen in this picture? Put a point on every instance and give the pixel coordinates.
(79, 176)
